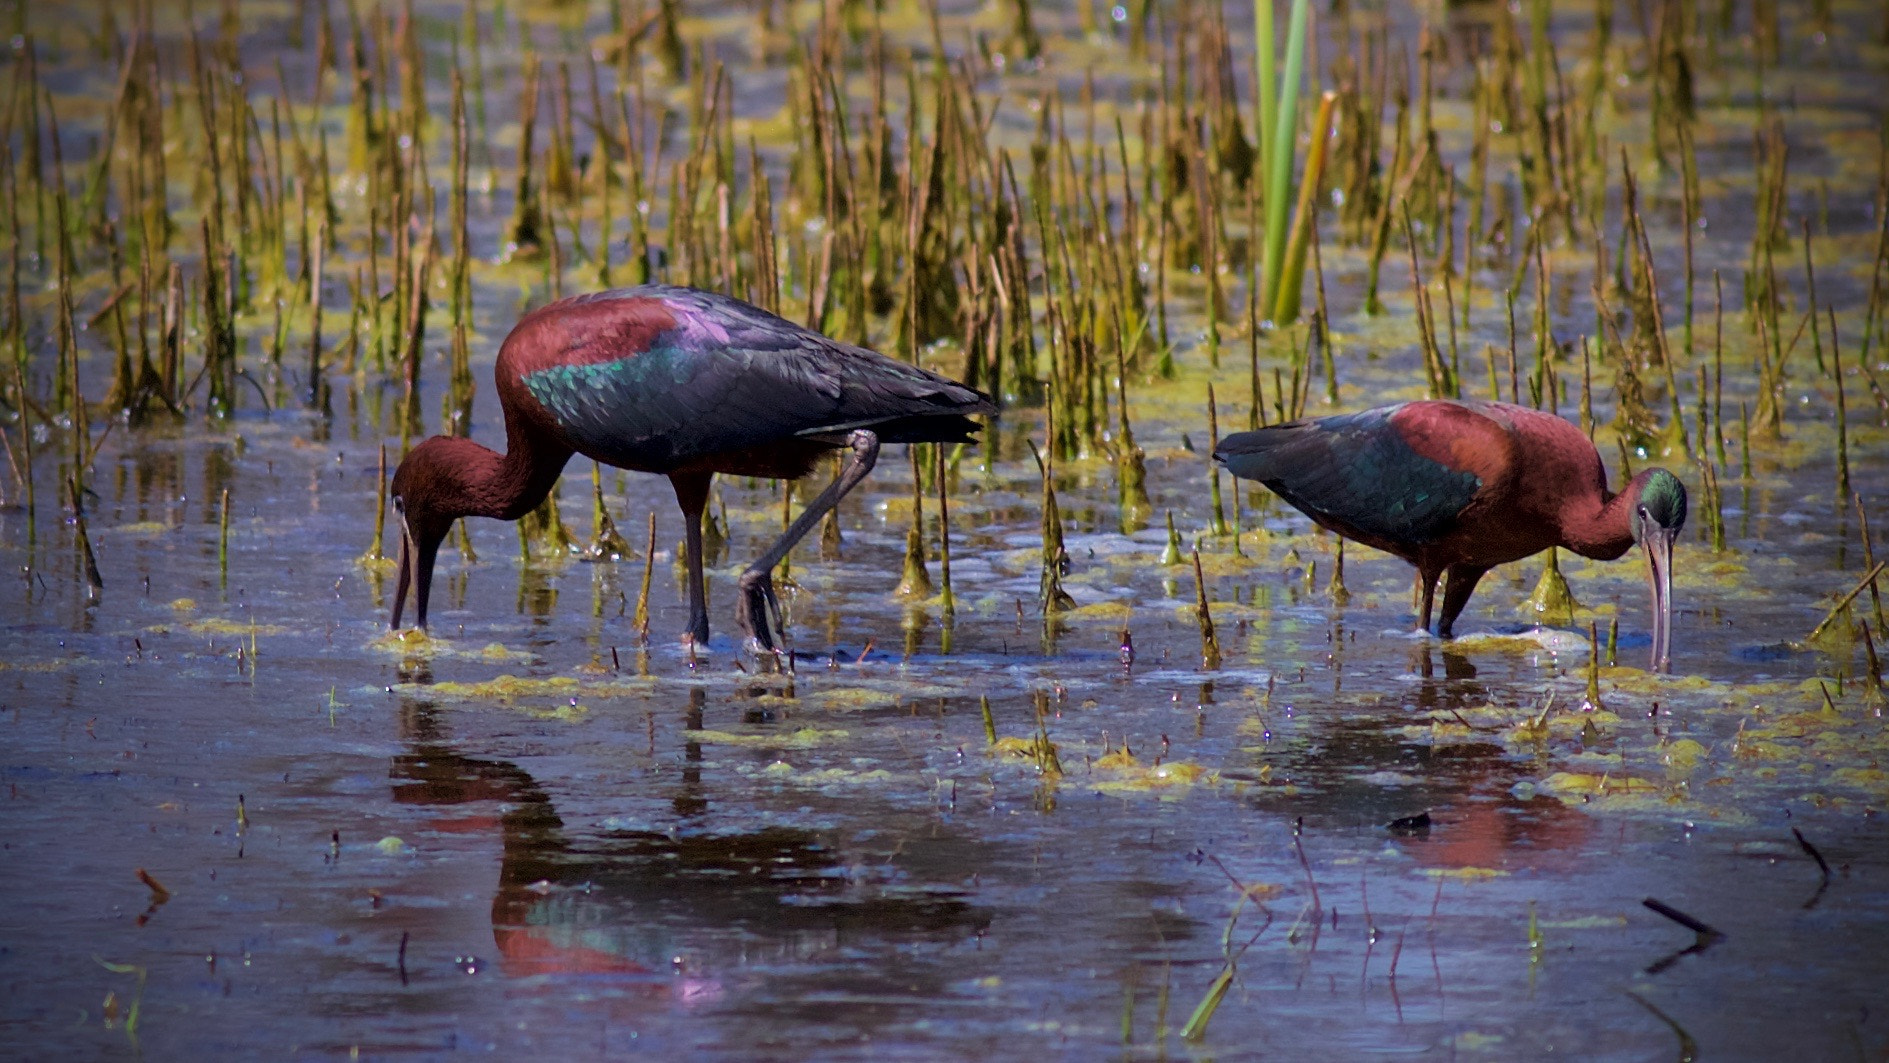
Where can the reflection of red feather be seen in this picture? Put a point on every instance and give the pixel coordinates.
(1544, 835)
(526, 953)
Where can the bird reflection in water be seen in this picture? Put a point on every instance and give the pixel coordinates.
(690, 799)
(1454, 805)
(1482, 822)
(1457, 668)
(632, 903)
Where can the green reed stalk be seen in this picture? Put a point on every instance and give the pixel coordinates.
(1843, 420)
(946, 600)
(916, 582)
(378, 551)
(1265, 77)
(1284, 310)
(223, 538)
(1213, 432)
(1209, 642)
(1279, 154)
(641, 620)
(89, 560)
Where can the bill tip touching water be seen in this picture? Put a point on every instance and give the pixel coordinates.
(685, 383)
(1459, 487)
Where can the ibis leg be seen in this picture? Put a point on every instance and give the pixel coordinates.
(1463, 579)
(756, 607)
(1426, 583)
(692, 497)
(424, 555)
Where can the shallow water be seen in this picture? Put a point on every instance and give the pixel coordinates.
(370, 846)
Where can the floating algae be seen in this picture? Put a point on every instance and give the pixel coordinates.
(220, 626)
(510, 689)
(1113, 611)
(1466, 874)
(822, 778)
(1611, 792)
(1127, 774)
(409, 640)
(409, 643)
(1012, 746)
(851, 698)
(34, 666)
(1682, 757)
(507, 688)
(803, 738)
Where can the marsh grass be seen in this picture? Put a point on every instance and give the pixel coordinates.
(1082, 254)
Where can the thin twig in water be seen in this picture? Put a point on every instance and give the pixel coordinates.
(1843, 602)
(1471, 726)
(1298, 845)
(1704, 930)
(1688, 1048)
(1705, 935)
(1823, 867)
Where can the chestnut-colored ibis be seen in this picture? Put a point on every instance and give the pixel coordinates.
(685, 383)
(1463, 486)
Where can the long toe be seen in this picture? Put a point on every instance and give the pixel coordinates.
(761, 639)
(752, 609)
(774, 611)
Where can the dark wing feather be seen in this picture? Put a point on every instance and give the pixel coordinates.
(730, 376)
(1355, 473)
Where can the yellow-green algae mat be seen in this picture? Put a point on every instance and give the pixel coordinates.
(1792, 739)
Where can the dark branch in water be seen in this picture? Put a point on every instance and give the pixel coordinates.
(1843, 602)
(1823, 868)
(1688, 1048)
(1298, 844)
(1707, 935)
(1704, 930)
(1822, 864)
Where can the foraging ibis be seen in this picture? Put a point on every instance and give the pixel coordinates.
(1463, 486)
(681, 382)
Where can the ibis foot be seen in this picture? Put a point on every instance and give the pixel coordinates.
(757, 609)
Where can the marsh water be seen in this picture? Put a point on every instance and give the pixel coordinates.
(537, 831)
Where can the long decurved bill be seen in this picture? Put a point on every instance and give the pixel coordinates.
(408, 578)
(1658, 545)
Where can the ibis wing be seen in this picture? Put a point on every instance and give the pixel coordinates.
(728, 376)
(1354, 472)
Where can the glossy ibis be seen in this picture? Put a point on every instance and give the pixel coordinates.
(680, 382)
(1463, 486)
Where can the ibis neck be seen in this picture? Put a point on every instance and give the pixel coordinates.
(508, 486)
(1605, 532)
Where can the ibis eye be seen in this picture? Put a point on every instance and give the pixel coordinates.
(399, 506)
